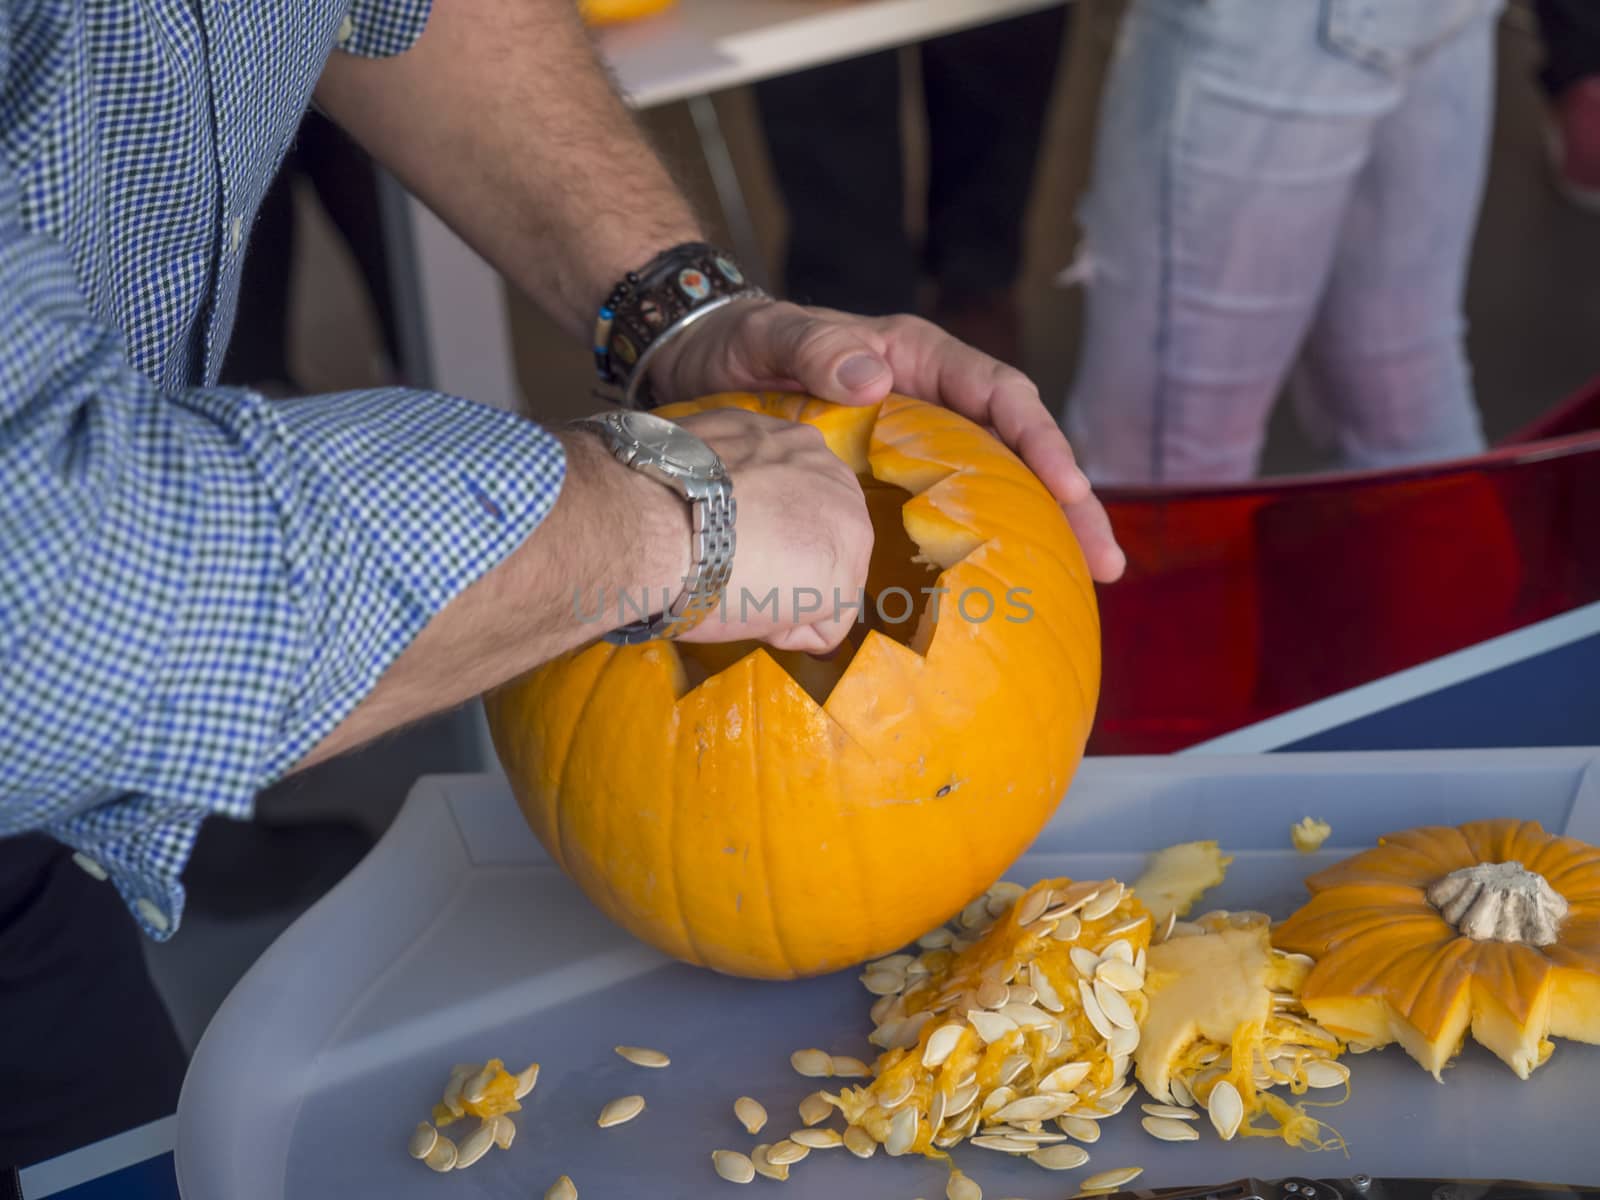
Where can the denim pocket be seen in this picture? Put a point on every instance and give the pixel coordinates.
(1386, 34)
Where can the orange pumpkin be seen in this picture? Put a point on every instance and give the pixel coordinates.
(1491, 928)
(612, 12)
(739, 817)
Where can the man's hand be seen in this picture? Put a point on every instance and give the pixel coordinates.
(766, 345)
(804, 534)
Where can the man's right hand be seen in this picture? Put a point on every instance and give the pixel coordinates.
(804, 534)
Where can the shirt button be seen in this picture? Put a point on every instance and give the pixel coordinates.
(152, 915)
(91, 868)
(235, 234)
(347, 30)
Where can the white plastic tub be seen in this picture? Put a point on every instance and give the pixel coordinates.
(458, 940)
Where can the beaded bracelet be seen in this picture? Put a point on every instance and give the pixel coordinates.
(651, 306)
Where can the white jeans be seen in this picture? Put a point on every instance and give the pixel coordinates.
(1280, 182)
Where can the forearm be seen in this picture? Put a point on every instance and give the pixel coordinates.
(501, 119)
(612, 531)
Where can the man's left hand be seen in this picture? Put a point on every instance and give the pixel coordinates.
(762, 345)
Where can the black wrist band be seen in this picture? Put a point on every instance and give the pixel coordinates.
(649, 302)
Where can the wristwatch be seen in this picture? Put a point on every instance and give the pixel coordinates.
(670, 454)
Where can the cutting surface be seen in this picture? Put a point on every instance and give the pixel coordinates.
(458, 941)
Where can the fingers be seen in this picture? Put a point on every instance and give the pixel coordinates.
(1092, 525)
(831, 358)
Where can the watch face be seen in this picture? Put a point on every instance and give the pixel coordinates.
(674, 446)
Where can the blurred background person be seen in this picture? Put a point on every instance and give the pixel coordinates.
(834, 137)
(1280, 183)
(1571, 78)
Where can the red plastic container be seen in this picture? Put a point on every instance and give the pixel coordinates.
(1243, 602)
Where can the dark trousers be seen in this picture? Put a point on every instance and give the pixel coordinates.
(87, 1049)
(1571, 32)
(834, 137)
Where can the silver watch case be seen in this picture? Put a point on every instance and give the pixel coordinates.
(671, 455)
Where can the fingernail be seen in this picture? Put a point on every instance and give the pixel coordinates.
(859, 371)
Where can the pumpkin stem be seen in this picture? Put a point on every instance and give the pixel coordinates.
(1500, 902)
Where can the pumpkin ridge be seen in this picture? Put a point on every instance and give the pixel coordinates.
(764, 843)
(1054, 635)
(559, 824)
(671, 810)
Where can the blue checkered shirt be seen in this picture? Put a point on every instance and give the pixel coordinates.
(196, 583)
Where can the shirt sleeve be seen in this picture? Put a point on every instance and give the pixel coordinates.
(380, 28)
(199, 585)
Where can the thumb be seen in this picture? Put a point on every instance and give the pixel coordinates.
(825, 357)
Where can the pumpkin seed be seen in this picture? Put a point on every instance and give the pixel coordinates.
(1092, 1010)
(1225, 1108)
(990, 1026)
(899, 1092)
(1181, 1092)
(891, 962)
(765, 1167)
(883, 983)
(1080, 1128)
(1034, 1137)
(814, 1064)
(477, 1085)
(1067, 929)
(817, 1139)
(1166, 930)
(936, 1110)
(784, 1153)
(1074, 896)
(452, 1089)
(1119, 948)
(620, 1111)
(1128, 926)
(475, 1145)
(443, 1155)
(562, 1189)
(847, 1067)
(996, 1100)
(1031, 906)
(963, 1099)
(815, 1108)
(1141, 962)
(962, 1187)
(1109, 1180)
(1169, 1110)
(423, 1139)
(1084, 961)
(1059, 1158)
(505, 1131)
(1321, 1073)
(1169, 1130)
(902, 1132)
(733, 1166)
(526, 1079)
(1116, 1009)
(1103, 903)
(640, 1056)
(936, 939)
(941, 1045)
(976, 913)
(1120, 975)
(1027, 1016)
(1033, 1108)
(1124, 1040)
(751, 1114)
(1013, 1065)
(1022, 993)
(1045, 991)
(1065, 1077)
(859, 1142)
(1003, 1143)
(992, 993)
(1053, 1034)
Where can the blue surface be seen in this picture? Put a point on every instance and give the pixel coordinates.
(1551, 699)
(152, 1179)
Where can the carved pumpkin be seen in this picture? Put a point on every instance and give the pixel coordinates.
(611, 12)
(707, 802)
(1492, 928)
